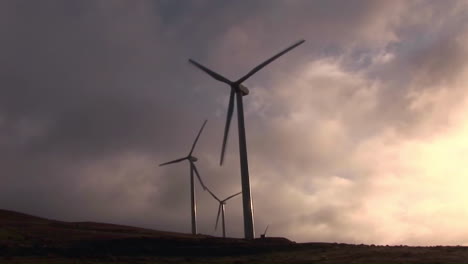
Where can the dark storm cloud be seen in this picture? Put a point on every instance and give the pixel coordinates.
(68, 71)
(86, 87)
(82, 82)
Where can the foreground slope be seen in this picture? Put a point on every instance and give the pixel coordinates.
(29, 239)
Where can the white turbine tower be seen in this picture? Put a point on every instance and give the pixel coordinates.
(238, 90)
(193, 169)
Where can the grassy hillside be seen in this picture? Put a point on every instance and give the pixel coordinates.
(30, 239)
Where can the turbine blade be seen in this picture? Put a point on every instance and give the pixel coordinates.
(212, 194)
(265, 63)
(174, 161)
(213, 74)
(232, 196)
(196, 139)
(198, 175)
(228, 124)
(217, 218)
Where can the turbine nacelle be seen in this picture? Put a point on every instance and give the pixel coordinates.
(192, 158)
(244, 90)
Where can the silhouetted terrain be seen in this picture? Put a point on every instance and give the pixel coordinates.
(30, 239)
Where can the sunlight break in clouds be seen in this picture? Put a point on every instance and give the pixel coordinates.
(389, 188)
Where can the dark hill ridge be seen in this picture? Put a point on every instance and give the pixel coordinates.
(30, 239)
(19, 228)
(41, 227)
(7, 217)
(26, 235)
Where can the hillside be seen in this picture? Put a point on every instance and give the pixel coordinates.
(30, 239)
(18, 228)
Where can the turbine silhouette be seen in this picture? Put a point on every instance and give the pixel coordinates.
(193, 170)
(238, 90)
(221, 209)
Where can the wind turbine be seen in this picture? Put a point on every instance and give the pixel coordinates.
(239, 90)
(221, 209)
(193, 169)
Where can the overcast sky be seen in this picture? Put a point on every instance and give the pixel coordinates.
(360, 135)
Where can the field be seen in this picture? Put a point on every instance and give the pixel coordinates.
(30, 239)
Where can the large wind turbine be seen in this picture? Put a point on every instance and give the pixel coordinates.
(193, 169)
(240, 90)
(221, 209)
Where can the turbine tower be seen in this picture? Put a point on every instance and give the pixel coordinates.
(193, 170)
(238, 90)
(221, 209)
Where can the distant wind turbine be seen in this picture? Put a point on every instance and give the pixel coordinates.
(193, 169)
(239, 90)
(221, 209)
(264, 233)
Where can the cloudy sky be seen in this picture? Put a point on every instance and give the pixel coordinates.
(360, 135)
